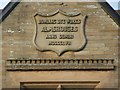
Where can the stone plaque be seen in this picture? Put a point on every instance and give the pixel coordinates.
(59, 31)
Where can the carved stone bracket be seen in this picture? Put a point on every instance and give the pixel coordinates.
(59, 64)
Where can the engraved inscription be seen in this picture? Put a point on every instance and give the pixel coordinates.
(60, 21)
(60, 29)
(59, 32)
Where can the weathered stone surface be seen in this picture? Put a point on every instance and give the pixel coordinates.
(60, 35)
(59, 64)
(0, 55)
(102, 43)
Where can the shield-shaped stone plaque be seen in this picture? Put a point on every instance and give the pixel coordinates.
(59, 32)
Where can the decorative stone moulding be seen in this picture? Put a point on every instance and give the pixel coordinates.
(58, 85)
(59, 64)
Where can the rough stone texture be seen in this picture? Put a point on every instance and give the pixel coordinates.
(102, 42)
(119, 58)
(0, 56)
(62, 76)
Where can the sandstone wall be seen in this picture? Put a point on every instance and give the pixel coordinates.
(102, 43)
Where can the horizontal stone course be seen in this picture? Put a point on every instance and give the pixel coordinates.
(60, 64)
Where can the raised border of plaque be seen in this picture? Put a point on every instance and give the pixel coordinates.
(59, 64)
(60, 35)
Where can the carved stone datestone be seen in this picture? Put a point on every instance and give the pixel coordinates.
(59, 34)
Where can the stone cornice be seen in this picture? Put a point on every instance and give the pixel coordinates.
(59, 64)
